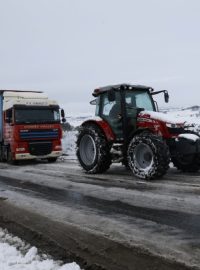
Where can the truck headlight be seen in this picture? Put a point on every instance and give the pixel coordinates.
(20, 149)
(58, 147)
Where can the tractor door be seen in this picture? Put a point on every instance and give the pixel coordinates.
(131, 112)
(111, 113)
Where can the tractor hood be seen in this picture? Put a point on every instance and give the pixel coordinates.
(159, 116)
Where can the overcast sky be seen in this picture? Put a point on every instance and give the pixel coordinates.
(69, 47)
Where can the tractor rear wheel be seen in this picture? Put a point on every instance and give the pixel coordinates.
(93, 150)
(148, 156)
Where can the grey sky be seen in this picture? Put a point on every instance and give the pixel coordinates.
(69, 47)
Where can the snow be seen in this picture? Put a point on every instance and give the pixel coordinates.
(190, 117)
(191, 137)
(15, 254)
(69, 143)
(162, 117)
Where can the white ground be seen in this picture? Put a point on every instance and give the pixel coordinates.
(16, 255)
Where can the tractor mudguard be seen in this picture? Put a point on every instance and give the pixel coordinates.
(139, 131)
(104, 126)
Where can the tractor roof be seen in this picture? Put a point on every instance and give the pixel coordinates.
(100, 90)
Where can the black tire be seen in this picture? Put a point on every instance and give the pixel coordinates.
(189, 164)
(93, 150)
(148, 156)
(52, 160)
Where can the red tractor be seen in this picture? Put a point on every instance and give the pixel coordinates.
(129, 129)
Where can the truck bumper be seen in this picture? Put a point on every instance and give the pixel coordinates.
(27, 156)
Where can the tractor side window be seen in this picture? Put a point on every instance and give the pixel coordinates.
(107, 106)
(111, 109)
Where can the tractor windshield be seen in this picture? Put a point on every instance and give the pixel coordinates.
(140, 99)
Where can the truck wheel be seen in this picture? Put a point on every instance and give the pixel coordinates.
(148, 156)
(93, 150)
(191, 164)
(10, 159)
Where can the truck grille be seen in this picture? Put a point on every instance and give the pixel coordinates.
(39, 134)
(40, 148)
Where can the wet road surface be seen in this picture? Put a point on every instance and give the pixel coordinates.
(161, 216)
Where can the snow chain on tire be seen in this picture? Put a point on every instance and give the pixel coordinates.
(93, 150)
(148, 156)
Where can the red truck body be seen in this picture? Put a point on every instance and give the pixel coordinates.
(30, 126)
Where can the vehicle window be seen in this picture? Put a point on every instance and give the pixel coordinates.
(139, 99)
(36, 116)
(111, 109)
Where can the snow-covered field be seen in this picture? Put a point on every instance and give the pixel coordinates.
(15, 254)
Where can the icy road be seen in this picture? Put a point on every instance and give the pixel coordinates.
(111, 221)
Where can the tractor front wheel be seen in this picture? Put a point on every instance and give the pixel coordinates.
(148, 156)
(93, 150)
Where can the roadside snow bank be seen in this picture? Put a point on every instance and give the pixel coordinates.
(69, 143)
(16, 255)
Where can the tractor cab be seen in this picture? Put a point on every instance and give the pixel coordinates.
(119, 106)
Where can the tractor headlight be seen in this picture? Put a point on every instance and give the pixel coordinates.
(169, 125)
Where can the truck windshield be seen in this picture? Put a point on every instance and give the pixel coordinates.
(35, 116)
(140, 99)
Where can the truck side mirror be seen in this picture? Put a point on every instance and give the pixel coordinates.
(166, 95)
(63, 116)
(111, 95)
(62, 113)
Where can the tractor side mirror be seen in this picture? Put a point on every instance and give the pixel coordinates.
(166, 95)
(111, 96)
(93, 102)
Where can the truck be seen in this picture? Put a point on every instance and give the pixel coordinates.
(30, 126)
